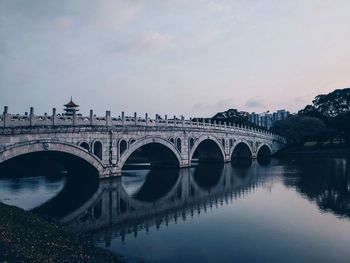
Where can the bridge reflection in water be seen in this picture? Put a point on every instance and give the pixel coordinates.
(145, 198)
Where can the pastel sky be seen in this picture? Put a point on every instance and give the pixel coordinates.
(194, 57)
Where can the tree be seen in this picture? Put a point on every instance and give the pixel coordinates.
(299, 129)
(334, 109)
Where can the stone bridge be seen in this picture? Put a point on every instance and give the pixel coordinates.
(107, 143)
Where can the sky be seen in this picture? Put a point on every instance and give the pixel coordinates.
(191, 58)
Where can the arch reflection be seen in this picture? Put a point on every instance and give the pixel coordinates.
(207, 176)
(153, 185)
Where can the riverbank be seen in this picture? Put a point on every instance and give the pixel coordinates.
(313, 151)
(26, 237)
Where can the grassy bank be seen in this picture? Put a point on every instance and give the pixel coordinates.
(25, 237)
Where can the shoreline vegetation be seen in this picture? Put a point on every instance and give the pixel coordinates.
(26, 237)
(315, 149)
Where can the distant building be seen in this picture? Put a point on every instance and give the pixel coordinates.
(70, 108)
(267, 119)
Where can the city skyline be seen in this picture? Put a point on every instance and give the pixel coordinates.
(192, 58)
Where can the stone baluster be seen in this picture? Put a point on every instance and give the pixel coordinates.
(6, 117)
(224, 124)
(91, 117)
(183, 121)
(174, 121)
(123, 118)
(214, 123)
(166, 120)
(31, 117)
(190, 122)
(146, 117)
(197, 122)
(108, 118)
(203, 122)
(54, 117)
(220, 125)
(135, 118)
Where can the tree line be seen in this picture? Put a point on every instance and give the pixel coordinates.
(326, 119)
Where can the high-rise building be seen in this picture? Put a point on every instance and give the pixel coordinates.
(266, 119)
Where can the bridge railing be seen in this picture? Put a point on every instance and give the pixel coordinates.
(17, 120)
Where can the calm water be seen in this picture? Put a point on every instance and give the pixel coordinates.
(271, 211)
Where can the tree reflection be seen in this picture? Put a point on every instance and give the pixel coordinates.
(325, 182)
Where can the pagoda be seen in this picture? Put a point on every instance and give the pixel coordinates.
(70, 108)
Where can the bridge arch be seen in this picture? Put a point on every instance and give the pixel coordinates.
(208, 148)
(264, 151)
(52, 146)
(241, 150)
(160, 152)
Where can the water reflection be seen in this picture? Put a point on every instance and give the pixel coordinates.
(326, 184)
(29, 192)
(214, 212)
(156, 197)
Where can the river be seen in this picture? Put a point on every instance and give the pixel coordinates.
(293, 210)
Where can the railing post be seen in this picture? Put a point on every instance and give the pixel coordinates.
(31, 117)
(135, 118)
(183, 121)
(166, 120)
(220, 125)
(146, 116)
(190, 122)
(214, 123)
(157, 124)
(91, 117)
(123, 118)
(197, 122)
(224, 124)
(203, 122)
(54, 121)
(6, 116)
(174, 121)
(108, 118)
(74, 118)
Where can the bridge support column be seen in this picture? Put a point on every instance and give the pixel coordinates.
(111, 171)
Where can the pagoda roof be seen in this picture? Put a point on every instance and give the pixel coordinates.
(71, 104)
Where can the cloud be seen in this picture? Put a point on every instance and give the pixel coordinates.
(254, 103)
(156, 42)
(114, 14)
(145, 43)
(62, 23)
(212, 109)
(219, 8)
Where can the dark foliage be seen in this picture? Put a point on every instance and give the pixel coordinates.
(232, 116)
